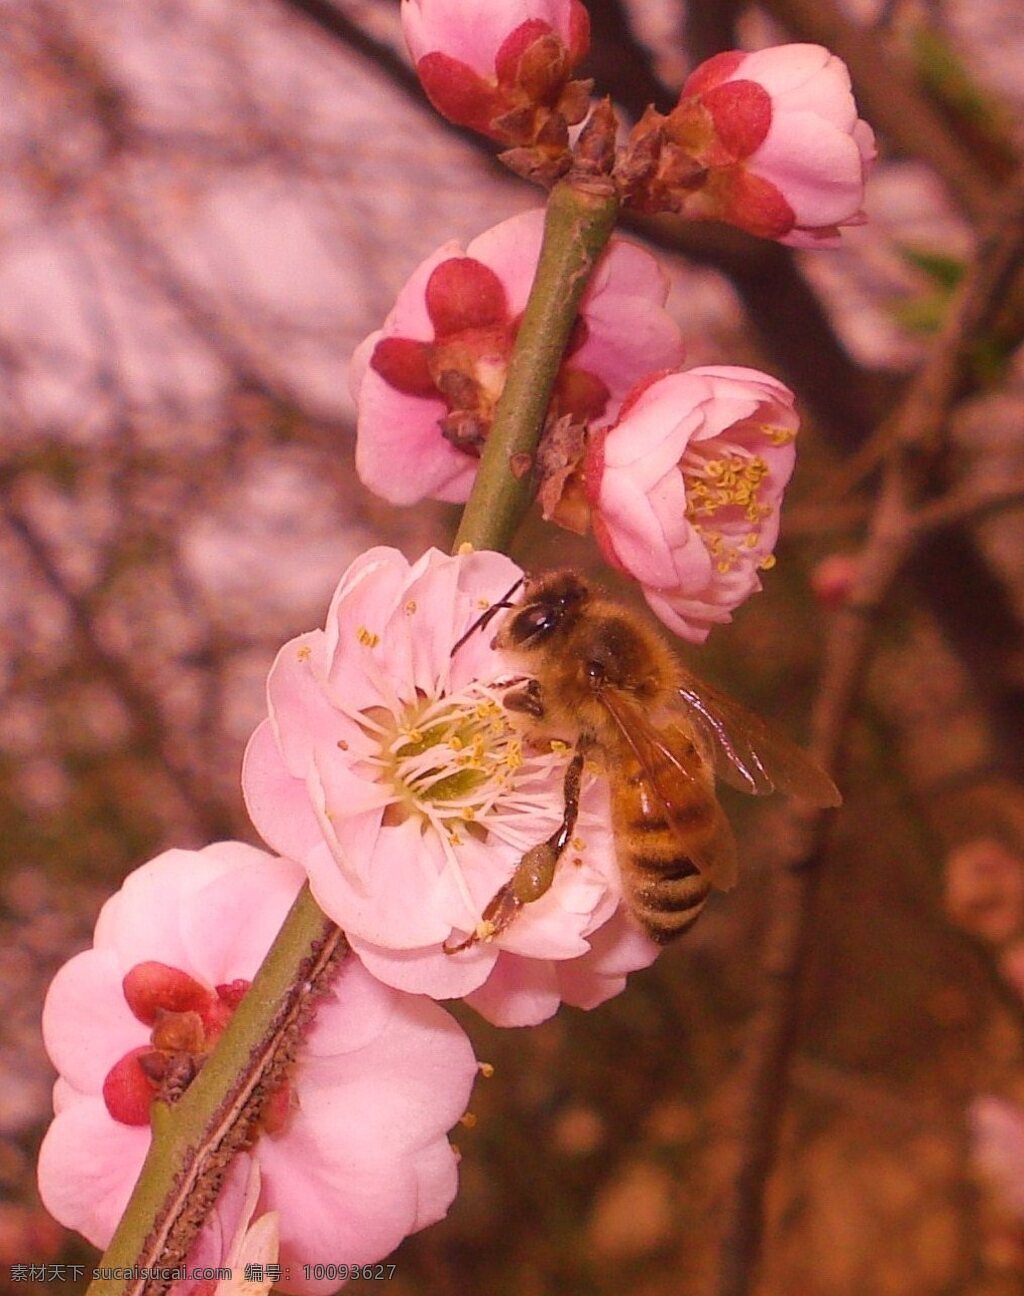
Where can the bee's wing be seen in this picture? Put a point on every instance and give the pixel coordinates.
(749, 753)
(714, 853)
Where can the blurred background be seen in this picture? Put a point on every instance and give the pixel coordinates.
(204, 206)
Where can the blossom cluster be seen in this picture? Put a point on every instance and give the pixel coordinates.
(678, 474)
(388, 772)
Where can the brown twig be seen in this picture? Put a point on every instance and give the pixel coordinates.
(968, 504)
(206, 812)
(917, 442)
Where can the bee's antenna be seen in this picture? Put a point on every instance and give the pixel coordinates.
(491, 612)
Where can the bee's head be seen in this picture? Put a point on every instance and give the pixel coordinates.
(550, 605)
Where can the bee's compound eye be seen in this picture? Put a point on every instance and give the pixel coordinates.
(595, 673)
(534, 622)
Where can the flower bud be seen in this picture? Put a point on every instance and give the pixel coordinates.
(769, 141)
(504, 69)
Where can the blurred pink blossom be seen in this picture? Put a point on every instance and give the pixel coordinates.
(997, 1146)
(501, 68)
(426, 384)
(769, 141)
(834, 578)
(355, 1155)
(685, 490)
(390, 769)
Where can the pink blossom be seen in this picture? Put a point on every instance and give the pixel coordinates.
(427, 383)
(769, 141)
(501, 68)
(354, 1157)
(685, 490)
(389, 767)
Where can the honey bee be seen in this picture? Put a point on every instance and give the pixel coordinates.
(592, 669)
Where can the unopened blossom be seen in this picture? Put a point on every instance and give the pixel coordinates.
(427, 383)
(685, 490)
(389, 767)
(834, 579)
(504, 69)
(769, 141)
(351, 1151)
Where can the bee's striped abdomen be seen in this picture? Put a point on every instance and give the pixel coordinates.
(662, 886)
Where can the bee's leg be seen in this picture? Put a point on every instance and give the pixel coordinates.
(535, 871)
(526, 698)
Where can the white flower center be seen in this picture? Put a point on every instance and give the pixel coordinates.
(457, 763)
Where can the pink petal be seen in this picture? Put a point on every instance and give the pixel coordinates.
(436, 1172)
(409, 316)
(395, 428)
(784, 69)
(484, 578)
(519, 992)
(343, 1174)
(635, 530)
(327, 1208)
(815, 239)
(352, 1015)
(415, 1080)
(817, 168)
(397, 906)
(400, 452)
(277, 803)
(362, 605)
(87, 1025)
(690, 619)
(88, 1165)
(253, 913)
(149, 904)
(617, 948)
(512, 250)
(473, 33)
(300, 709)
(627, 270)
(627, 337)
(360, 362)
(428, 970)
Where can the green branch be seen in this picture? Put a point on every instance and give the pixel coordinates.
(195, 1139)
(580, 218)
